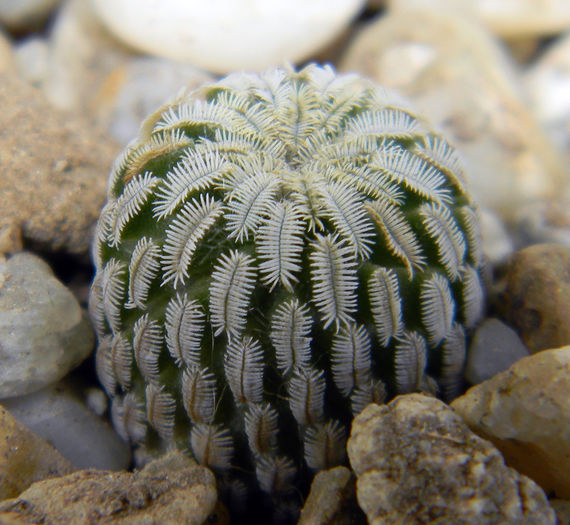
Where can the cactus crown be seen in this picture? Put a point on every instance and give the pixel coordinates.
(277, 251)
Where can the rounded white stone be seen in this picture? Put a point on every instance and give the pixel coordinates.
(226, 35)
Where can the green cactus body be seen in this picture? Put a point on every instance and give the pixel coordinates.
(277, 251)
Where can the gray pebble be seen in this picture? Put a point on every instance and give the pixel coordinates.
(494, 348)
(44, 333)
(60, 416)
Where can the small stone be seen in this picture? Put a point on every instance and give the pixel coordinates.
(494, 348)
(32, 59)
(186, 494)
(7, 62)
(137, 94)
(228, 35)
(25, 458)
(416, 462)
(544, 222)
(536, 296)
(458, 76)
(59, 415)
(497, 243)
(547, 86)
(25, 15)
(82, 57)
(525, 412)
(44, 333)
(332, 500)
(96, 401)
(525, 17)
(92, 74)
(508, 19)
(54, 172)
(562, 509)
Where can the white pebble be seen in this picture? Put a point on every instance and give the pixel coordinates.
(226, 35)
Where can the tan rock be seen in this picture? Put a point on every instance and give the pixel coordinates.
(25, 458)
(332, 499)
(509, 19)
(82, 54)
(457, 75)
(536, 296)
(416, 462)
(525, 412)
(173, 491)
(525, 17)
(54, 172)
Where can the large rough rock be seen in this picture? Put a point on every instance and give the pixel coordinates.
(43, 331)
(25, 458)
(175, 490)
(525, 412)
(536, 297)
(54, 172)
(332, 500)
(417, 462)
(459, 77)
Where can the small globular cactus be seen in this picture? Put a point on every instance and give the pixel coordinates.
(277, 251)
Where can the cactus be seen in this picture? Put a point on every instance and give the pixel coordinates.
(277, 251)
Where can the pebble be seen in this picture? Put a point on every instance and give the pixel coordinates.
(562, 509)
(137, 93)
(54, 172)
(517, 18)
(459, 77)
(25, 15)
(25, 458)
(547, 86)
(83, 69)
(512, 19)
(497, 244)
(32, 59)
(60, 416)
(332, 499)
(228, 35)
(525, 412)
(536, 296)
(494, 348)
(415, 460)
(82, 54)
(44, 333)
(7, 62)
(174, 490)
